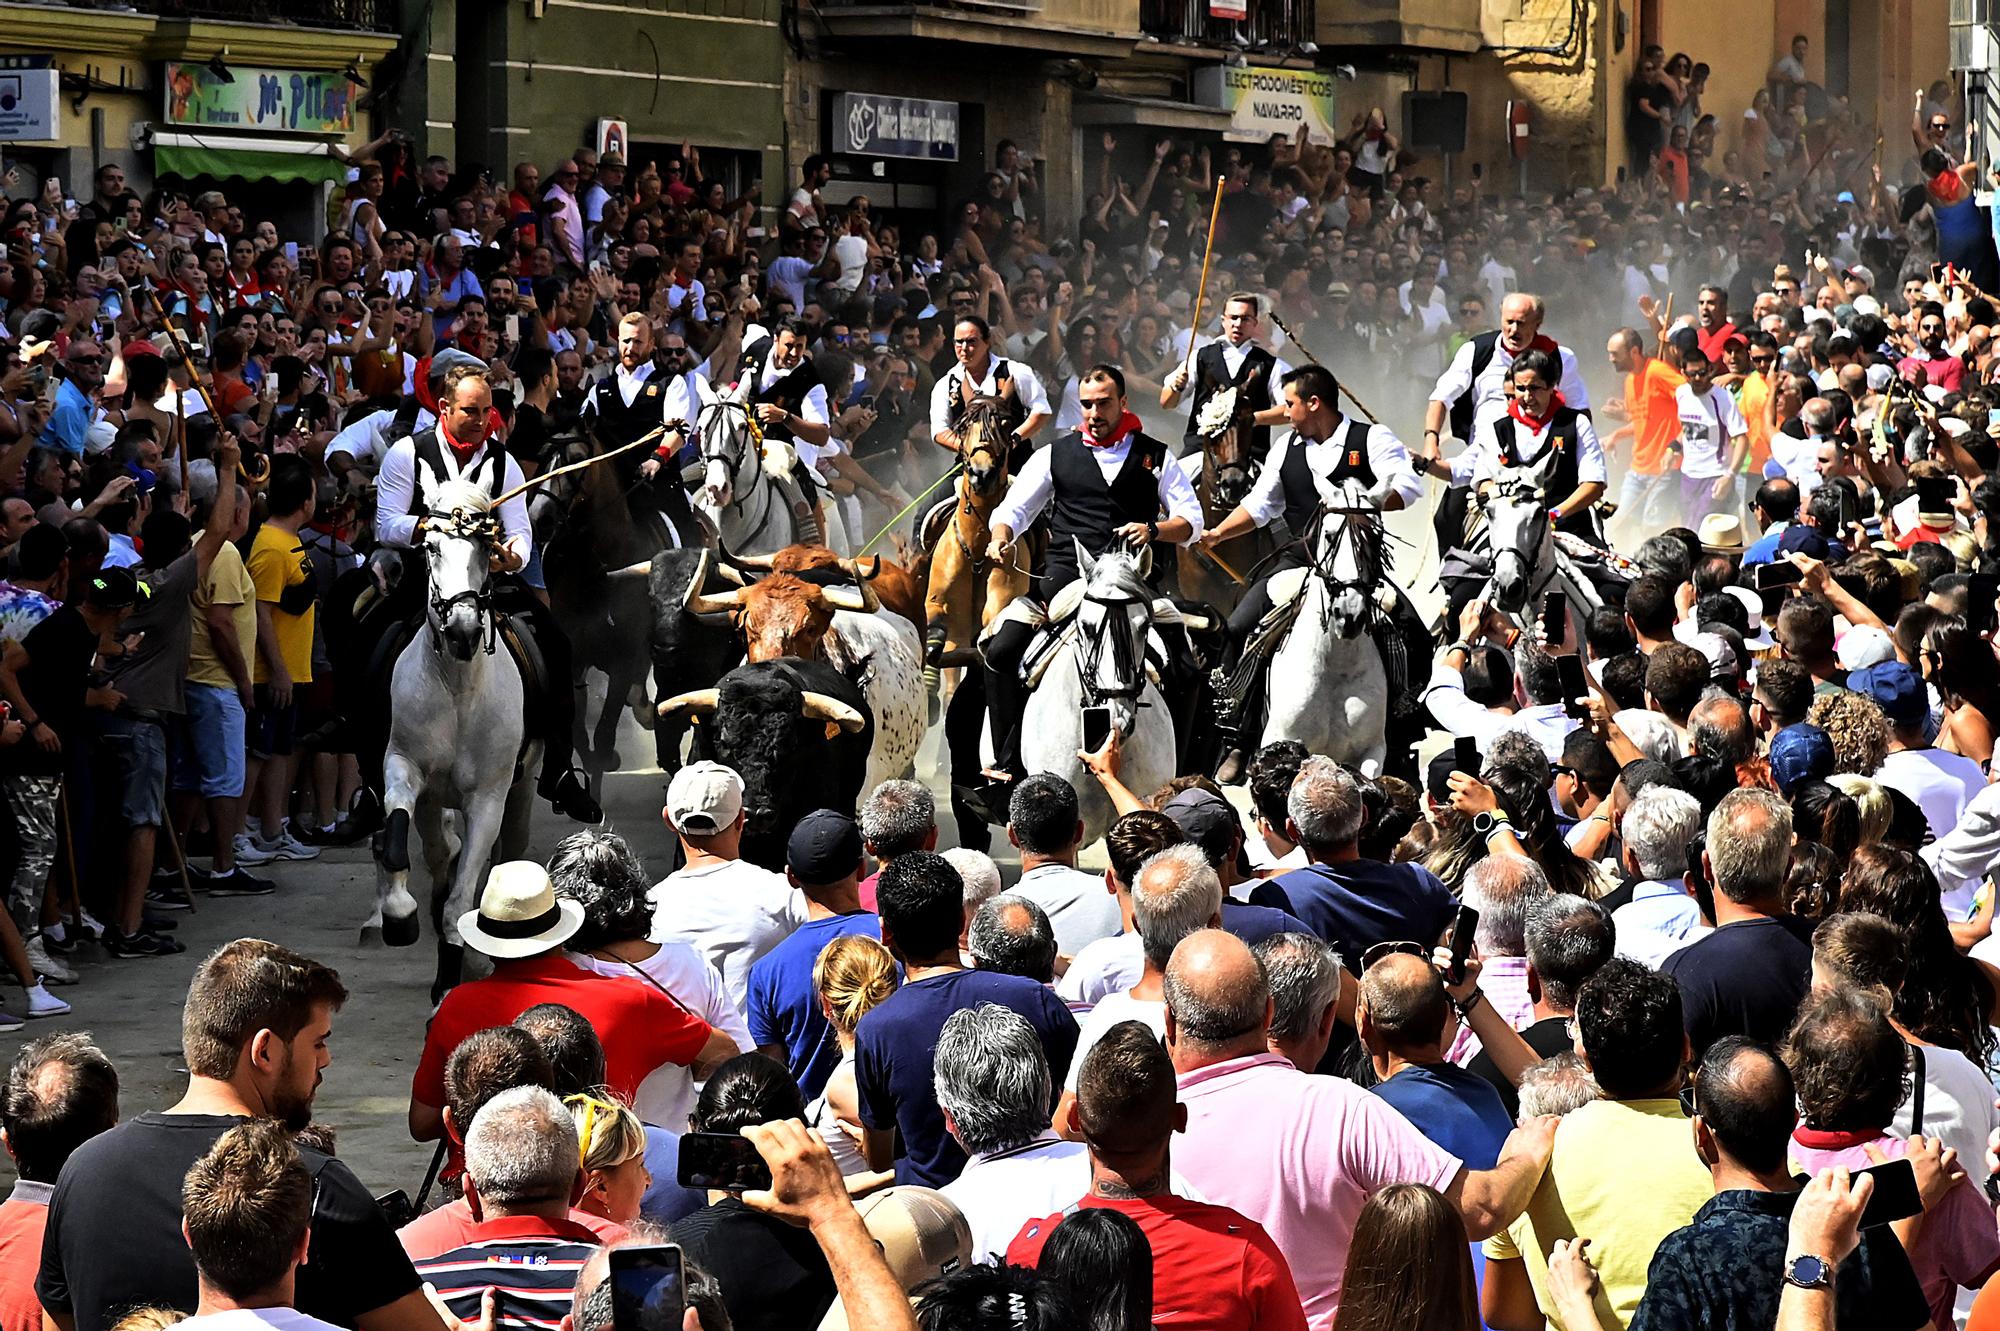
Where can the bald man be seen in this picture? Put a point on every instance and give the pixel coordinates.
(1406, 1023)
(1322, 1145)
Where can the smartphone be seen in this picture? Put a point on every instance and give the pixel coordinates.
(1895, 1196)
(1934, 494)
(648, 1287)
(292, 252)
(1465, 755)
(1462, 931)
(514, 328)
(1096, 728)
(721, 1160)
(1555, 618)
(1778, 573)
(1575, 685)
(1980, 590)
(1848, 515)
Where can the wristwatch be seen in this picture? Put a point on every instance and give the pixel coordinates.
(1152, 532)
(1485, 823)
(1809, 1272)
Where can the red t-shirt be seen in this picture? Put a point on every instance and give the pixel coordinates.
(1214, 1269)
(641, 1028)
(1713, 342)
(435, 1233)
(21, 1225)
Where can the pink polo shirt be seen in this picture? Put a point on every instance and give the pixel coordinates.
(1504, 981)
(1299, 1154)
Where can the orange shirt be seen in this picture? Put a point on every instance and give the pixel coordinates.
(1656, 418)
(1753, 395)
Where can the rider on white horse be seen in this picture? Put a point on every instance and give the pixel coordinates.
(1325, 450)
(1102, 486)
(414, 473)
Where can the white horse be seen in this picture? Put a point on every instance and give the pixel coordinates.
(1523, 548)
(1327, 688)
(455, 734)
(744, 485)
(1102, 665)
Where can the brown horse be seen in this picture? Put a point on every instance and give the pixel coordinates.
(1227, 472)
(967, 590)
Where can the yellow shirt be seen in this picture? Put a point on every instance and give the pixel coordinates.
(1624, 1175)
(228, 583)
(277, 562)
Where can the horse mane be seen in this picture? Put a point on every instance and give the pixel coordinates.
(462, 496)
(1121, 568)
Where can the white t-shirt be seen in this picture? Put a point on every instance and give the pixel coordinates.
(1079, 906)
(1941, 783)
(1707, 425)
(732, 913)
(1108, 966)
(264, 1319)
(852, 252)
(1113, 1009)
(666, 1097)
(1000, 1192)
(1958, 1106)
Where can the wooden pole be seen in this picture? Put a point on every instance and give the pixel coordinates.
(1207, 250)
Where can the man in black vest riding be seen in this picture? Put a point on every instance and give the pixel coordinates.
(1324, 451)
(463, 447)
(1234, 362)
(1102, 486)
(1472, 393)
(627, 404)
(790, 398)
(1024, 404)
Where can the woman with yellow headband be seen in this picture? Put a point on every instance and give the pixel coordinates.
(612, 1144)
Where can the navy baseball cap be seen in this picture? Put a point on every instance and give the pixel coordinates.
(1803, 540)
(824, 847)
(1896, 689)
(1799, 754)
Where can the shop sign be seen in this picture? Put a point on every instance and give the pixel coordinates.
(1264, 100)
(1233, 10)
(289, 101)
(868, 125)
(28, 105)
(614, 137)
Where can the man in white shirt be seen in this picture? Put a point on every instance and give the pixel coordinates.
(1473, 389)
(1799, 458)
(1471, 694)
(1107, 485)
(1661, 918)
(732, 911)
(1234, 361)
(1940, 783)
(1711, 425)
(979, 373)
(1325, 451)
(1044, 825)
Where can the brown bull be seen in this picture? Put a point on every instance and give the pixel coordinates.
(897, 585)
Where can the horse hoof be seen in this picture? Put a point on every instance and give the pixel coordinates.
(400, 931)
(371, 935)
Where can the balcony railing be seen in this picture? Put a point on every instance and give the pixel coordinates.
(366, 15)
(984, 7)
(1279, 23)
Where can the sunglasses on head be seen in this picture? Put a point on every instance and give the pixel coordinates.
(1404, 948)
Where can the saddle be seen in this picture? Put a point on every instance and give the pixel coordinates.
(1055, 625)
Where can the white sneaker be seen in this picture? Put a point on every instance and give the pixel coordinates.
(42, 1003)
(248, 852)
(89, 925)
(289, 847)
(9, 1023)
(49, 968)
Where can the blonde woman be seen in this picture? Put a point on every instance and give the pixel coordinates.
(612, 1144)
(852, 975)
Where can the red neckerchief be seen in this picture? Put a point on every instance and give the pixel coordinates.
(1540, 342)
(1128, 424)
(1514, 410)
(1822, 1139)
(462, 452)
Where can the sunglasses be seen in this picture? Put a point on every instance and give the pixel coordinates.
(1404, 948)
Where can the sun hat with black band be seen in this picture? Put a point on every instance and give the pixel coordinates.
(519, 914)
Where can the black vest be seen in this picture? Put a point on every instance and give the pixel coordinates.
(1295, 478)
(1009, 414)
(1084, 508)
(1254, 390)
(788, 390)
(489, 473)
(1460, 416)
(1560, 481)
(612, 421)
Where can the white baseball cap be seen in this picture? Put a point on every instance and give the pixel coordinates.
(704, 798)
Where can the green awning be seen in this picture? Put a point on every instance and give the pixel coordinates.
(245, 164)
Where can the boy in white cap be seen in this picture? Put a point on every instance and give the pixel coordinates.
(730, 910)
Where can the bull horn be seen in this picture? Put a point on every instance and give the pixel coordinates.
(821, 707)
(700, 701)
(701, 603)
(729, 573)
(852, 568)
(860, 598)
(762, 563)
(642, 569)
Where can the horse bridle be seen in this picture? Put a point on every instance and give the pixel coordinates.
(1512, 489)
(1364, 529)
(731, 459)
(480, 598)
(1124, 651)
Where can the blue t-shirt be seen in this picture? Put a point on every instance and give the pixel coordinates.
(665, 1200)
(897, 1041)
(1253, 924)
(784, 1006)
(1356, 904)
(1457, 1109)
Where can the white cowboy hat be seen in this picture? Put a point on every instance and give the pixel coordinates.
(519, 914)
(1759, 637)
(1722, 533)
